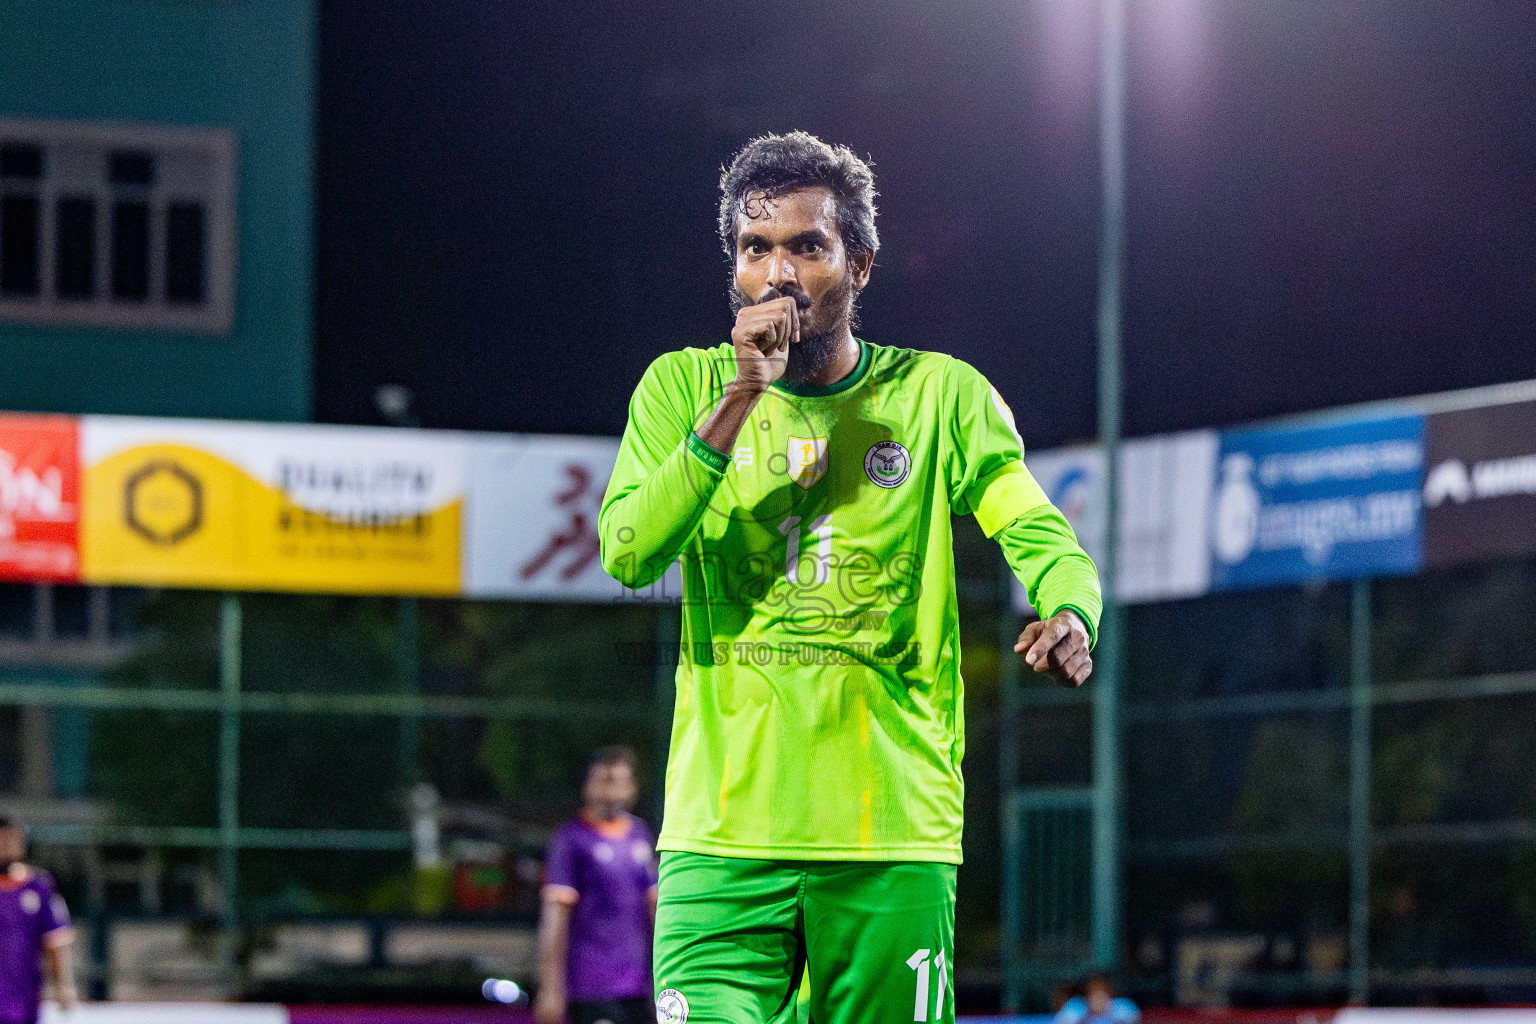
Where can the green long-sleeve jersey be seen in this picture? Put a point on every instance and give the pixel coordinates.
(819, 710)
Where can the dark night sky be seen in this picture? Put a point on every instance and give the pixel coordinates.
(1330, 200)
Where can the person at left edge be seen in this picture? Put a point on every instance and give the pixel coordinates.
(599, 905)
(34, 926)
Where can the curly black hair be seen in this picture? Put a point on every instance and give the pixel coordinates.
(775, 165)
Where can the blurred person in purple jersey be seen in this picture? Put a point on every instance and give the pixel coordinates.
(34, 927)
(599, 905)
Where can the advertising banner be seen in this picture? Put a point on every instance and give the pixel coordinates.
(1165, 492)
(1480, 487)
(531, 530)
(1166, 498)
(39, 498)
(271, 507)
(302, 507)
(1311, 503)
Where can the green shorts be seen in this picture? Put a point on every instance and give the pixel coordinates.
(735, 938)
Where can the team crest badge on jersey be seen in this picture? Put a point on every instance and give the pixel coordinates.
(807, 460)
(887, 464)
(671, 1007)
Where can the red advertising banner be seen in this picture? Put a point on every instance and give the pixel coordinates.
(39, 498)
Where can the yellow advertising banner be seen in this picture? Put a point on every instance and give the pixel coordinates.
(220, 505)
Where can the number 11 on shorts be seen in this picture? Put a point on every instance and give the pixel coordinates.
(925, 968)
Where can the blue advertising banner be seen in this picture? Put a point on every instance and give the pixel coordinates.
(1311, 503)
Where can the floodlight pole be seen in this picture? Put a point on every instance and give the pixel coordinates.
(1108, 658)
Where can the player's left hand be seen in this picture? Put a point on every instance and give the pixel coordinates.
(1058, 646)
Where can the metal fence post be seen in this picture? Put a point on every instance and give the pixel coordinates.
(408, 680)
(230, 629)
(1360, 792)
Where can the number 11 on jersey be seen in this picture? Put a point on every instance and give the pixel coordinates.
(821, 529)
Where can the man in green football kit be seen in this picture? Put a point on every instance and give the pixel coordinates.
(806, 480)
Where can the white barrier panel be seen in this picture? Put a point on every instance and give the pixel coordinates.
(1435, 1015)
(166, 1013)
(1165, 494)
(531, 529)
(1163, 514)
(531, 526)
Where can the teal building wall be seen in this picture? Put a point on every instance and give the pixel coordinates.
(245, 66)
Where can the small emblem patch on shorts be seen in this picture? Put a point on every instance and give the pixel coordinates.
(671, 1007)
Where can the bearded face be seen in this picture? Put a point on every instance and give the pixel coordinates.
(822, 324)
(790, 245)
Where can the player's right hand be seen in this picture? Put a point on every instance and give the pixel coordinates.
(761, 337)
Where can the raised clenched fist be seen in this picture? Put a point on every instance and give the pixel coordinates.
(761, 337)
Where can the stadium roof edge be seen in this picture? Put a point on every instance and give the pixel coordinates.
(1435, 402)
(1440, 401)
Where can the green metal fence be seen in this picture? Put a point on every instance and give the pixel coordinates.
(231, 708)
(1047, 916)
(1369, 794)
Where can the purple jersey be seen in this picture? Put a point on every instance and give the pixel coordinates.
(606, 873)
(32, 915)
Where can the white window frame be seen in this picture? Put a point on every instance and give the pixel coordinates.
(213, 150)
